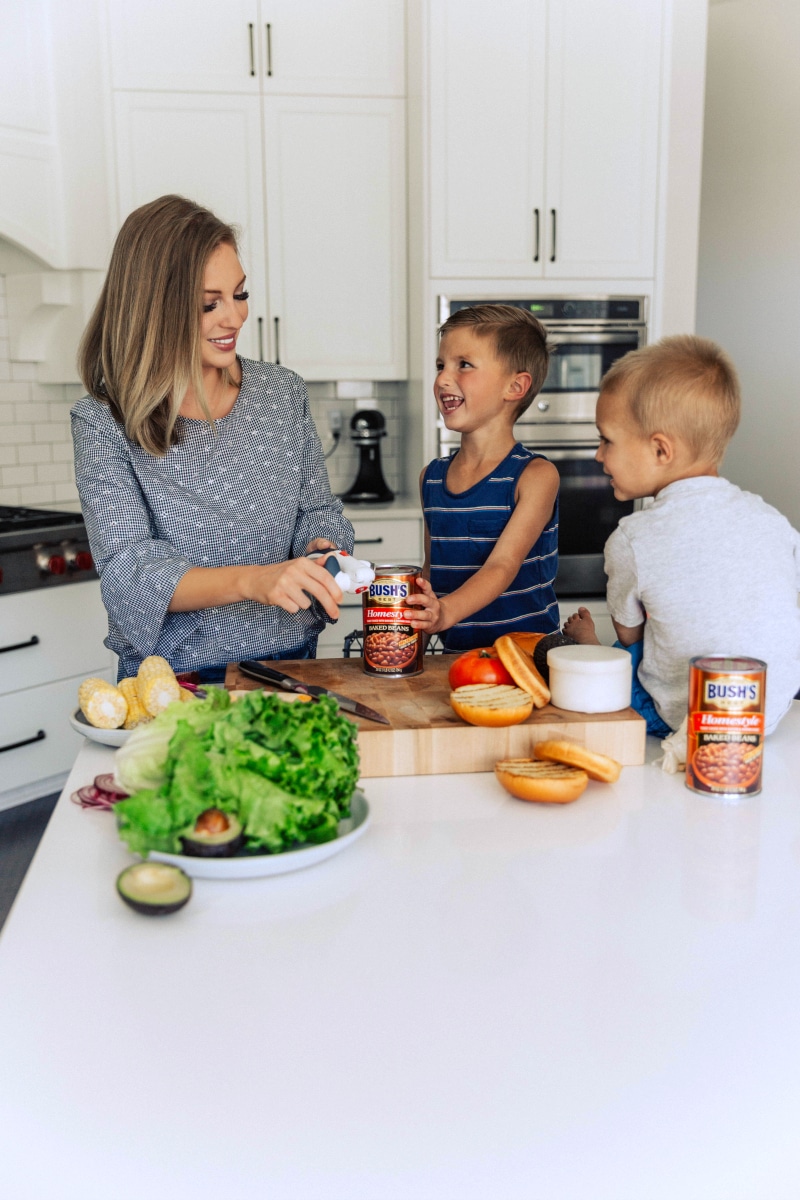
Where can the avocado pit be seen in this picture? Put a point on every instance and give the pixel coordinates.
(215, 834)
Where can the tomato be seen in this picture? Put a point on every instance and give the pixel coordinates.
(478, 666)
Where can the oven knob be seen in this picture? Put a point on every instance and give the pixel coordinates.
(83, 561)
(543, 405)
(51, 564)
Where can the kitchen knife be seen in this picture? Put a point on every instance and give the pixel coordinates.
(259, 670)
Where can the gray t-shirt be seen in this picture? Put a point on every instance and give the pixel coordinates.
(715, 570)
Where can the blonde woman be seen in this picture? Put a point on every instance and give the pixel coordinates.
(201, 475)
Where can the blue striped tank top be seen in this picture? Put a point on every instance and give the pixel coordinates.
(463, 530)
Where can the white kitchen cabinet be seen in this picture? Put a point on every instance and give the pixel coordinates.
(544, 138)
(58, 638)
(207, 148)
(335, 173)
(305, 47)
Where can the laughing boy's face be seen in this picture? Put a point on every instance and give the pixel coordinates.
(473, 387)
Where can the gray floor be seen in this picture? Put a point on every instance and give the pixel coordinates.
(21, 829)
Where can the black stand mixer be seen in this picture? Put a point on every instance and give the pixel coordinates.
(367, 427)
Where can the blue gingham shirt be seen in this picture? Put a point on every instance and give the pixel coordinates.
(252, 490)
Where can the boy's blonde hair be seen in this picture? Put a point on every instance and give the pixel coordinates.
(684, 386)
(519, 340)
(141, 349)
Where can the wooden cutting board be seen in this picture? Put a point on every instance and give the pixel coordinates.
(426, 737)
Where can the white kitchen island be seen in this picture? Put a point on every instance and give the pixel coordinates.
(478, 999)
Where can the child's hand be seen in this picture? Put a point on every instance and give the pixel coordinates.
(430, 615)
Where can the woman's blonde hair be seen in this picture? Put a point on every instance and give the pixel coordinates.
(685, 386)
(141, 349)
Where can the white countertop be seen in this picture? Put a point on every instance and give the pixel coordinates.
(479, 999)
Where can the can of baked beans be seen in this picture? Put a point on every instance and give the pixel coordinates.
(391, 646)
(725, 735)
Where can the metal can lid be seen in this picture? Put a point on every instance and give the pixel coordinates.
(724, 663)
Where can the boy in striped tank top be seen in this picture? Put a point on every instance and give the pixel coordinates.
(491, 510)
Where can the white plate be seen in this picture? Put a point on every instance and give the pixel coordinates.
(252, 866)
(108, 737)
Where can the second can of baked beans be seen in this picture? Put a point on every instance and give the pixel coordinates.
(725, 735)
(391, 646)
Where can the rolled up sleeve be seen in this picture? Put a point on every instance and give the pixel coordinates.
(138, 571)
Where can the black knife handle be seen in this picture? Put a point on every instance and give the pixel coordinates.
(257, 670)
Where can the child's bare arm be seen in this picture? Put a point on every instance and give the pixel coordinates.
(627, 635)
(536, 494)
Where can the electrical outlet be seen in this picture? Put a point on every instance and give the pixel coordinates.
(335, 421)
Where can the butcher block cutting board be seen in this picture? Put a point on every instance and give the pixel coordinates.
(425, 737)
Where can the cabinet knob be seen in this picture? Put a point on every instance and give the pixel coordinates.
(543, 405)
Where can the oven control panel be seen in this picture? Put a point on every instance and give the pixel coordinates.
(45, 564)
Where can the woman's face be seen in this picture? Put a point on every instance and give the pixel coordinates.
(224, 307)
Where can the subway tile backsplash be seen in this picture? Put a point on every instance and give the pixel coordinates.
(36, 466)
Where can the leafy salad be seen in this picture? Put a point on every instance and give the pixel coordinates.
(285, 770)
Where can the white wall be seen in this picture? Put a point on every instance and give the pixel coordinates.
(749, 269)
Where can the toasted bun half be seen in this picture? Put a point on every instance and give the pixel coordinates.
(549, 783)
(492, 704)
(527, 642)
(596, 766)
(521, 669)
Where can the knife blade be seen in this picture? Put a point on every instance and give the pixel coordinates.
(259, 670)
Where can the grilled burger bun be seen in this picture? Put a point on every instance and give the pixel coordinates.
(521, 669)
(562, 750)
(492, 704)
(548, 783)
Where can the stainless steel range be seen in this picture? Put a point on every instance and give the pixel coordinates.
(40, 548)
(587, 334)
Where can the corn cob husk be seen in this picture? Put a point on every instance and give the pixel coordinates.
(103, 705)
(137, 713)
(157, 685)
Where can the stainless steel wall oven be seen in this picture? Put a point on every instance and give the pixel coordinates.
(587, 334)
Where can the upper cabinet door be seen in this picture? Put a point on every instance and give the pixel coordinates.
(487, 92)
(185, 45)
(309, 47)
(335, 171)
(333, 47)
(604, 65)
(207, 148)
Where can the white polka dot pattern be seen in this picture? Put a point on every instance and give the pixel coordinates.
(253, 490)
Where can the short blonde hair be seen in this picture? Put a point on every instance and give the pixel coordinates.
(684, 386)
(141, 349)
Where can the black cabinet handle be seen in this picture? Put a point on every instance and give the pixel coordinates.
(40, 736)
(261, 339)
(277, 323)
(252, 49)
(536, 235)
(553, 242)
(269, 50)
(368, 541)
(34, 641)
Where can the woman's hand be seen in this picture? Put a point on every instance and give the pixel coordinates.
(291, 585)
(431, 616)
(320, 544)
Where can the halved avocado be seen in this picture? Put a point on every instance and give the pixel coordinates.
(216, 834)
(154, 888)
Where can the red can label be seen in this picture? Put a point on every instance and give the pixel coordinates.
(725, 735)
(391, 646)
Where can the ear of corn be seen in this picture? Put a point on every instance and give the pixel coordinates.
(156, 684)
(137, 714)
(103, 705)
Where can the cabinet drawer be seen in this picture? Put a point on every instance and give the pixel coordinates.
(69, 624)
(23, 715)
(389, 541)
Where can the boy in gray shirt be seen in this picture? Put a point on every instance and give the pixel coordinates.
(705, 568)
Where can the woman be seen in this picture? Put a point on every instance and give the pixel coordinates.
(201, 475)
